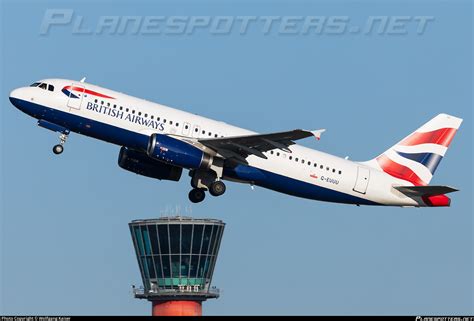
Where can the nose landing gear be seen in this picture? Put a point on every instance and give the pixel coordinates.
(59, 148)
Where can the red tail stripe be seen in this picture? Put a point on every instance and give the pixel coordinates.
(399, 171)
(437, 200)
(442, 136)
(87, 91)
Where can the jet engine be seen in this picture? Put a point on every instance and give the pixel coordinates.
(178, 153)
(141, 164)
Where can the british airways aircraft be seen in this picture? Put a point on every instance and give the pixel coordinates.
(159, 142)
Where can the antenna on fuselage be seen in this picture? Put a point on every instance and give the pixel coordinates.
(83, 79)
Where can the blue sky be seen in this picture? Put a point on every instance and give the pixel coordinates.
(65, 244)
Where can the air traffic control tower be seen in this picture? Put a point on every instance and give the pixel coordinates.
(177, 256)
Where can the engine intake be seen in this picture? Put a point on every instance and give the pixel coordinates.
(178, 153)
(141, 164)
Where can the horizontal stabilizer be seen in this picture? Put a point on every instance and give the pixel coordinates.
(425, 190)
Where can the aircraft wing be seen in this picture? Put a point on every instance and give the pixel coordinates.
(240, 147)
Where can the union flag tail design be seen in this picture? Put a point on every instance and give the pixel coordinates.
(416, 157)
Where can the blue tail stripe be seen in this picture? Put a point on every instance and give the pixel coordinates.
(430, 160)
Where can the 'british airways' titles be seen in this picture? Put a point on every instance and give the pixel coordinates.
(113, 112)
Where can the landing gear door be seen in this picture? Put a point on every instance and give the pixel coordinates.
(76, 94)
(362, 181)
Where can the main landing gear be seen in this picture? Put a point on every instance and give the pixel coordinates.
(59, 148)
(202, 181)
(217, 188)
(197, 195)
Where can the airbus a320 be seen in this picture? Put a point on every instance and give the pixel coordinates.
(159, 142)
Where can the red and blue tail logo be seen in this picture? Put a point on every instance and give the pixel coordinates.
(416, 157)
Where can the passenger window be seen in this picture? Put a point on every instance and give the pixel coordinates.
(327, 168)
(278, 154)
(340, 172)
(171, 122)
(315, 165)
(186, 126)
(309, 163)
(177, 124)
(196, 129)
(271, 152)
(133, 111)
(152, 116)
(139, 113)
(121, 107)
(209, 134)
(95, 101)
(215, 135)
(321, 166)
(291, 157)
(296, 159)
(108, 104)
(203, 131)
(102, 102)
(302, 161)
(50, 87)
(164, 120)
(127, 110)
(333, 170)
(115, 106)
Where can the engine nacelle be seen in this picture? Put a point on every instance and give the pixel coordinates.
(141, 164)
(176, 152)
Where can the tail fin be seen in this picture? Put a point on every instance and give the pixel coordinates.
(416, 157)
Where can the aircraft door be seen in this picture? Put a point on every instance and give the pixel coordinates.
(362, 181)
(186, 129)
(76, 94)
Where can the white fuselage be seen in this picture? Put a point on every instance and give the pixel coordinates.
(98, 106)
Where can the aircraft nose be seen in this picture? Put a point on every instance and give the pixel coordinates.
(14, 95)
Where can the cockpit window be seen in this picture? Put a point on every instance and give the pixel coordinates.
(35, 84)
(50, 87)
(42, 85)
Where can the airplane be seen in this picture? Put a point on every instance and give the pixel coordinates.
(159, 142)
